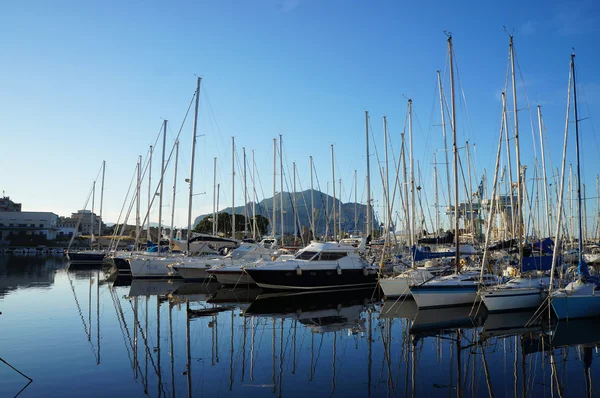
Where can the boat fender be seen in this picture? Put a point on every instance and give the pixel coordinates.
(365, 271)
(299, 271)
(339, 270)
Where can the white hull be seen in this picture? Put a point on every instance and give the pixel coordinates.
(448, 298)
(189, 273)
(497, 300)
(234, 278)
(399, 286)
(152, 267)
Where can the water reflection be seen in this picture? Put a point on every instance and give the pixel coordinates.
(169, 339)
(20, 271)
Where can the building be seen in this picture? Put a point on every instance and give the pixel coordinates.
(8, 205)
(87, 222)
(27, 223)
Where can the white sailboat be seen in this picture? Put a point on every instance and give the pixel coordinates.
(579, 299)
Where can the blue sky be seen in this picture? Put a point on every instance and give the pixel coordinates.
(83, 82)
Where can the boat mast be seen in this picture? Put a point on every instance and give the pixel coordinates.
(214, 229)
(333, 190)
(405, 198)
(274, 228)
(232, 187)
(312, 200)
(101, 201)
(191, 193)
(580, 263)
(545, 184)
(162, 176)
(386, 190)
(517, 152)
(356, 205)
(445, 142)
(455, 152)
(412, 179)
(470, 194)
(281, 186)
(253, 199)
(148, 236)
(173, 201)
(560, 192)
(369, 222)
(137, 204)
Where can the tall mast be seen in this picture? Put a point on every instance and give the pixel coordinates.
(333, 190)
(148, 236)
(455, 152)
(445, 143)
(274, 228)
(281, 185)
(369, 221)
(191, 193)
(245, 196)
(580, 254)
(173, 201)
(545, 184)
(137, 203)
(412, 177)
(517, 152)
(232, 187)
(510, 192)
(162, 178)
(312, 200)
(405, 198)
(253, 199)
(386, 197)
(101, 200)
(214, 232)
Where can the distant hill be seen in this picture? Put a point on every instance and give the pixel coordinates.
(303, 202)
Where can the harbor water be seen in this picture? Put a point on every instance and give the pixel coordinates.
(81, 333)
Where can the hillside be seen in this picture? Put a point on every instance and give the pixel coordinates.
(303, 202)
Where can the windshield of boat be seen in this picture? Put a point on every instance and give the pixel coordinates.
(306, 255)
(332, 256)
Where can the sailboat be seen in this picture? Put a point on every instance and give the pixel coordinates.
(459, 288)
(528, 289)
(578, 299)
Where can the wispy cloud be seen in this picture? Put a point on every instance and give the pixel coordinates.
(287, 5)
(528, 28)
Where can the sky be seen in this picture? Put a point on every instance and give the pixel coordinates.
(86, 82)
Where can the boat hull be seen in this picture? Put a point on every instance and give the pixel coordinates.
(504, 300)
(312, 279)
(576, 306)
(232, 277)
(83, 258)
(443, 296)
(191, 274)
(152, 268)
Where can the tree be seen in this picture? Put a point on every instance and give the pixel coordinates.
(224, 224)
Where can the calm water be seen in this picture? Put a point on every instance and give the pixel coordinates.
(77, 333)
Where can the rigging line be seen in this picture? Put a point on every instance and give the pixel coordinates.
(116, 230)
(464, 98)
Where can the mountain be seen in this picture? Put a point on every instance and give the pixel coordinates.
(303, 201)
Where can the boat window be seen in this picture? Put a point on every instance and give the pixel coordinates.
(332, 256)
(305, 255)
